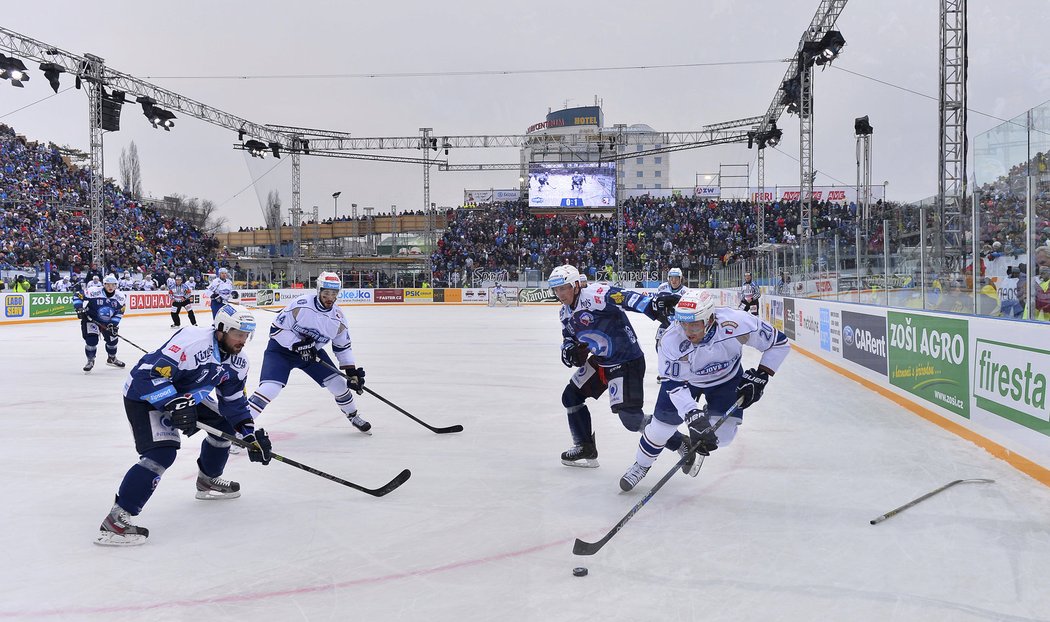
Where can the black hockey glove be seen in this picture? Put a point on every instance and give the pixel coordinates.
(234, 295)
(112, 328)
(305, 349)
(573, 353)
(355, 378)
(751, 387)
(216, 298)
(259, 446)
(701, 437)
(662, 307)
(182, 412)
(82, 313)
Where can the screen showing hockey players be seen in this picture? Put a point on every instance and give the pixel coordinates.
(572, 185)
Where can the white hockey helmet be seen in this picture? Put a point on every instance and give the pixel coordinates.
(329, 280)
(232, 317)
(225, 271)
(563, 275)
(109, 280)
(674, 272)
(695, 306)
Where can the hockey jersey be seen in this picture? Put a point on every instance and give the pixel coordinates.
(179, 293)
(223, 288)
(306, 320)
(750, 291)
(191, 363)
(102, 308)
(665, 288)
(716, 358)
(598, 320)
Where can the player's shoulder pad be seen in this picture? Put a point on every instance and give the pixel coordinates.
(593, 297)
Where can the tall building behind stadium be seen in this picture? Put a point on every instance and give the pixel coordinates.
(587, 122)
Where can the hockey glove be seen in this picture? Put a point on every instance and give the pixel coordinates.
(216, 298)
(751, 387)
(305, 350)
(234, 295)
(573, 353)
(82, 313)
(662, 307)
(182, 412)
(701, 437)
(355, 378)
(259, 446)
(112, 328)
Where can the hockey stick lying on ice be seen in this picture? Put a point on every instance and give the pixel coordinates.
(448, 430)
(401, 478)
(590, 548)
(876, 521)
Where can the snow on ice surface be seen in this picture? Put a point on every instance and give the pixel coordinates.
(774, 528)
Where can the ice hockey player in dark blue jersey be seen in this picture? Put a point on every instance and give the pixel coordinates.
(100, 309)
(167, 391)
(599, 340)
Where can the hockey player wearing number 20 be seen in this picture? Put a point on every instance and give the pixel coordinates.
(297, 340)
(701, 355)
(599, 340)
(167, 391)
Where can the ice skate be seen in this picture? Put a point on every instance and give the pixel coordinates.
(117, 530)
(174, 326)
(633, 475)
(209, 488)
(89, 365)
(115, 362)
(360, 423)
(582, 455)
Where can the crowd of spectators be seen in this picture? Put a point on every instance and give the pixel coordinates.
(45, 215)
(684, 232)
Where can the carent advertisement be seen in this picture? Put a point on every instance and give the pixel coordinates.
(389, 295)
(864, 340)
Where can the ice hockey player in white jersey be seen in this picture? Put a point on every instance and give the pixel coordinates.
(167, 391)
(673, 285)
(221, 290)
(125, 283)
(297, 339)
(499, 295)
(701, 355)
(63, 285)
(100, 309)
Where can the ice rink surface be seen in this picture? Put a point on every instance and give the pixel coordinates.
(775, 527)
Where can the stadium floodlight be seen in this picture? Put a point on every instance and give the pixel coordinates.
(830, 46)
(163, 118)
(14, 70)
(256, 148)
(862, 126)
(774, 135)
(51, 72)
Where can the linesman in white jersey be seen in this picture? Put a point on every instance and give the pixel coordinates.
(297, 340)
(180, 299)
(700, 355)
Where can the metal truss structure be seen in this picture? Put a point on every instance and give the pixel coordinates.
(951, 186)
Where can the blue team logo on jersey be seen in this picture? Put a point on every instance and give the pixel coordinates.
(714, 368)
(598, 343)
(105, 313)
(685, 345)
(613, 390)
(585, 319)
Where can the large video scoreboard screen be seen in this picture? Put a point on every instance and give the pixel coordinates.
(572, 185)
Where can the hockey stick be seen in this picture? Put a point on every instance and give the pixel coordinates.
(401, 478)
(123, 338)
(447, 430)
(590, 548)
(876, 521)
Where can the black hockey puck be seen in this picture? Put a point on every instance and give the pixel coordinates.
(579, 572)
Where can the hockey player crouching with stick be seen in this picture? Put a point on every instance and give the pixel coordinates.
(298, 336)
(700, 355)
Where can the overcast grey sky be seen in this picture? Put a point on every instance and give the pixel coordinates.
(892, 40)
